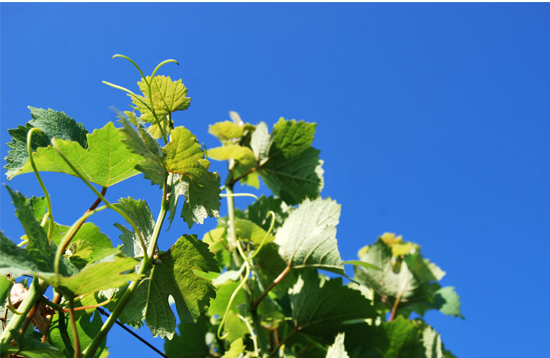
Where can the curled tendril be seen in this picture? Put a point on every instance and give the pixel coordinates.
(246, 265)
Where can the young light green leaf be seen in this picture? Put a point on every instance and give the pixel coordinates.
(173, 276)
(223, 295)
(293, 169)
(190, 343)
(308, 236)
(38, 249)
(184, 155)
(235, 328)
(53, 124)
(106, 161)
(322, 310)
(143, 144)
(168, 96)
(261, 143)
(225, 131)
(109, 269)
(235, 350)
(338, 350)
(243, 154)
(62, 337)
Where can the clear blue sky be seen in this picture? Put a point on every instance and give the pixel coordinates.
(433, 122)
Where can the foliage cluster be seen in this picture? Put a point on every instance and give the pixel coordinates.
(250, 288)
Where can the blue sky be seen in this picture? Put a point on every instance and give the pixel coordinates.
(433, 122)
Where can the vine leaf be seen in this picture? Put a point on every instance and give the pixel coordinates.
(109, 270)
(147, 147)
(184, 155)
(30, 348)
(247, 230)
(138, 211)
(235, 349)
(321, 310)
(447, 301)
(172, 275)
(259, 210)
(261, 143)
(308, 236)
(53, 124)
(168, 96)
(106, 161)
(201, 200)
(88, 233)
(386, 282)
(338, 350)
(39, 253)
(61, 335)
(293, 170)
(225, 131)
(190, 343)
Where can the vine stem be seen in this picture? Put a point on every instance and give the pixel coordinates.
(283, 342)
(275, 283)
(74, 329)
(35, 169)
(397, 299)
(146, 264)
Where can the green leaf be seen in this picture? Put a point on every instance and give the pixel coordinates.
(448, 302)
(190, 343)
(293, 169)
(38, 250)
(431, 345)
(259, 210)
(271, 265)
(101, 275)
(261, 143)
(29, 347)
(223, 294)
(168, 96)
(236, 349)
(338, 350)
(363, 264)
(172, 275)
(39, 207)
(88, 232)
(225, 131)
(53, 124)
(143, 144)
(14, 259)
(242, 154)
(247, 230)
(106, 161)
(402, 338)
(184, 155)
(235, 327)
(61, 335)
(308, 236)
(201, 200)
(321, 310)
(138, 211)
(386, 282)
